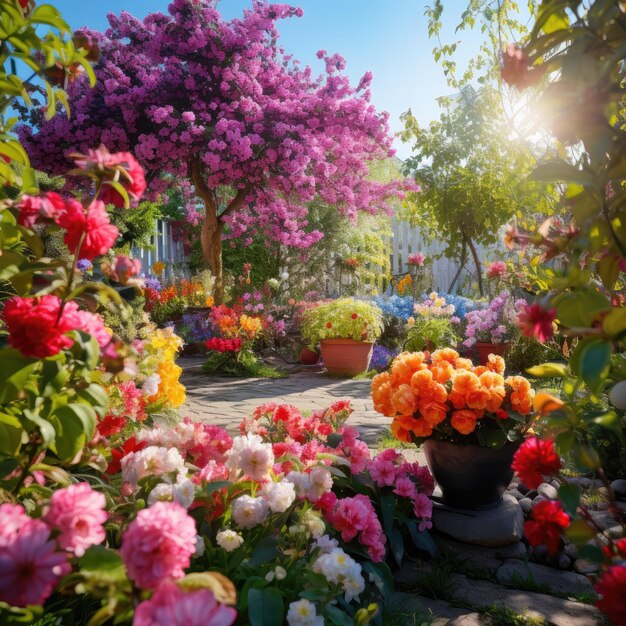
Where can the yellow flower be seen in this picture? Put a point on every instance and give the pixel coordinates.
(209, 301)
(158, 268)
(250, 325)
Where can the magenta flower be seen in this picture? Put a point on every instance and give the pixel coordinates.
(416, 259)
(171, 606)
(158, 544)
(535, 321)
(496, 269)
(77, 512)
(29, 563)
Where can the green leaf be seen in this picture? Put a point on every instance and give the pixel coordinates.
(595, 362)
(265, 607)
(608, 269)
(266, 550)
(561, 171)
(121, 190)
(548, 370)
(337, 616)
(216, 486)
(591, 552)
(96, 396)
(47, 14)
(383, 578)
(579, 532)
(580, 308)
(421, 538)
(564, 441)
(7, 465)
(11, 431)
(569, 494)
(614, 323)
(14, 373)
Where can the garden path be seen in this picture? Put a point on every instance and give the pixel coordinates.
(224, 401)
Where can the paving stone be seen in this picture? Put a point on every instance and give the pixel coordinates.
(558, 611)
(500, 526)
(557, 581)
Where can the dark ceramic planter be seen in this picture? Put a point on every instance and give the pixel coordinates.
(470, 476)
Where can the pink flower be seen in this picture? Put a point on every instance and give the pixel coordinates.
(29, 563)
(171, 606)
(382, 472)
(125, 268)
(350, 516)
(77, 512)
(405, 488)
(422, 506)
(93, 324)
(416, 259)
(496, 269)
(12, 518)
(33, 209)
(158, 544)
(535, 321)
(35, 327)
(99, 233)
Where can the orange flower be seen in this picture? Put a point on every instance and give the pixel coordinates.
(464, 364)
(522, 394)
(405, 365)
(445, 354)
(545, 403)
(426, 389)
(403, 400)
(464, 421)
(480, 369)
(494, 383)
(433, 412)
(495, 363)
(422, 428)
(442, 371)
(402, 426)
(467, 391)
(381, 394)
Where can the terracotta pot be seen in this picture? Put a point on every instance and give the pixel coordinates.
(309, 357)
(470, 476)
(485, 349)
(346, 356)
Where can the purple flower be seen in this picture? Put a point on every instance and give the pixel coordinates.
(84, 265)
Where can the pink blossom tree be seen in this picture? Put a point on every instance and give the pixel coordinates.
(219, 105)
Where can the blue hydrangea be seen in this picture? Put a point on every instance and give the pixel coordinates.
(381, 357)
(398, 306)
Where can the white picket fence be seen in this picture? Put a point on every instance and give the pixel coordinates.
(405, 240)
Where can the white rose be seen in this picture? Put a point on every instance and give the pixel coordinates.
(228, 540)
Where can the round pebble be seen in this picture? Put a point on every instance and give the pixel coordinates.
(563, 561)
(538, 499)
(540, 553)
(571, 550)
(526, 504)
(518, 495)
(583, 566)
(619, 488)
(548, 491)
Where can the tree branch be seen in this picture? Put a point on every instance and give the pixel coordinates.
(237, 202)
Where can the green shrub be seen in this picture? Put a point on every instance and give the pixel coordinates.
(610, 446)
(395, 332)
(432, 333)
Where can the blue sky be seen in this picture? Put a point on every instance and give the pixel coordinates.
(388, 37)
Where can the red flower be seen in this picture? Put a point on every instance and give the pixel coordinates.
(35, 208)
(535, 321)
(117, 454)
(134, 182)
(547, 522)
(612, 589)
(100, 234)
(329, 325)
(502, 414)
(535, 458)
(111, 424)
(34, 325)
(354, 316)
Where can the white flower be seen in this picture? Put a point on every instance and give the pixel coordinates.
(150, 386)
(228, 540)
(280, 496)
(151, 461)
(199, 546)
(313, 523)
(339, 568)
(301, 482)
(326, 544)
(303, 613)
(270, 576)
(281, 572)
(284, 276)
(161, 493)
(249, 511)
(184, 492)
(321, 481)
(250, 455)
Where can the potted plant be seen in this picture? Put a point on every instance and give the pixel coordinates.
(434, 325)
(493, 329)
(346, 330)
(471, 420)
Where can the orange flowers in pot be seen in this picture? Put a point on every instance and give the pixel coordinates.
(443, 396)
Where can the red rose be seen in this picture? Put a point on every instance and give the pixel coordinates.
(111, 424)
(535, 458)
(612, 589)
(34, 325)
(100, 234)
(547, 522)
(117, 454)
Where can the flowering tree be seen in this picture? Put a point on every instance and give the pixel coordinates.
(220, 105)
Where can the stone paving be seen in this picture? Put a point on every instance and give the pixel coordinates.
(224, 401)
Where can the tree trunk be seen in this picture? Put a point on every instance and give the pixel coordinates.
(211, 243)
(462, 261)
(479, 268)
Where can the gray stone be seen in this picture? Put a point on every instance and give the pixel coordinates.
(619, 488)
(527, 505)
(540, 553)
(581, 481)
(571, 550)
(557, 611)
(471, 559)
(512, 485)
(603, 519)
(548, 491)
(538, 499)
(555, 483)
(582, 566)
(447, 615)
(513, 551)
(518, 495)
(563, 561)
(523, 488)
(495, 527)
(557, 581)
